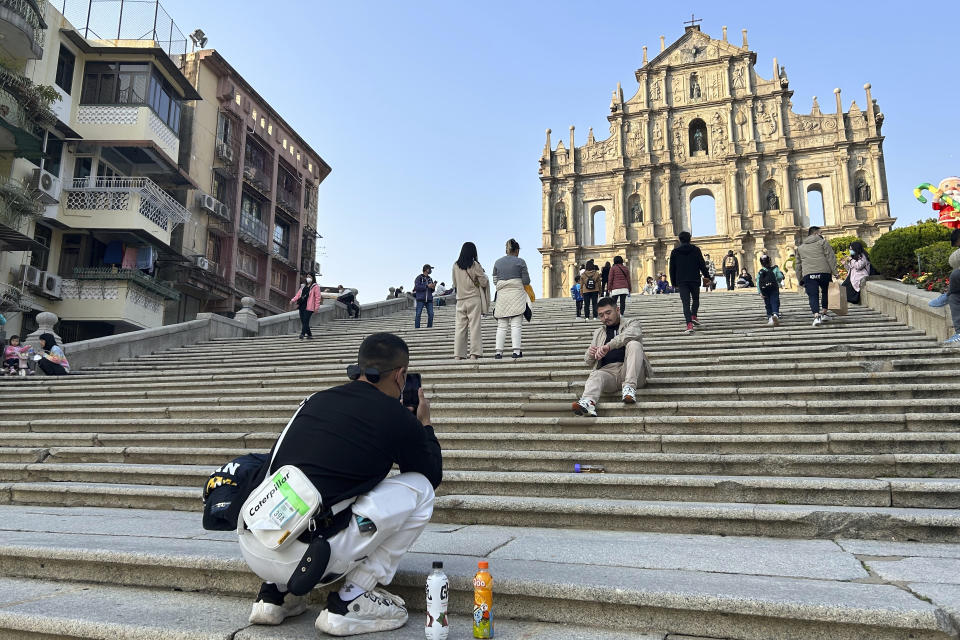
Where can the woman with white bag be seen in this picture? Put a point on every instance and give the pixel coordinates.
(510, 276)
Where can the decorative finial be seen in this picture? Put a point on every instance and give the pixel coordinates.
(744, 32)
(837, 91)
(644, 54)
(867, 86)
(724, 33)
(663, 44)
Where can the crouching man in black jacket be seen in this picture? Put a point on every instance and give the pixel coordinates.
(345, 440)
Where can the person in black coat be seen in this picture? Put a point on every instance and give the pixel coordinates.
(687, 266)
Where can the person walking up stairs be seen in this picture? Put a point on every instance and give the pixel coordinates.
(687, 270)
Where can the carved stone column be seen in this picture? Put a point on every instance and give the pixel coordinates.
(755, 182)
(547, 278)
(879, 192)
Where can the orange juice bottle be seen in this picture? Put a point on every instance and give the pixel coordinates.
(483, 602)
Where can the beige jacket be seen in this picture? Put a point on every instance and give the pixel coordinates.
(630, 330)
(815, 255)
(463, 282)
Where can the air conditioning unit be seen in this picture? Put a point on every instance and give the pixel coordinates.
(207, 202)
(50, 284)
(30, 276)
(225, 151)
(46, 186)
(202, 262)
(223, 211)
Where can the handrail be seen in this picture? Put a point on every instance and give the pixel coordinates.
(32, 13)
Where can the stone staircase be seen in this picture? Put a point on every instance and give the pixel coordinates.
(795, 482)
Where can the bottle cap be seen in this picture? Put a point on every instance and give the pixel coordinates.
(437, 564)
(576, 468)
(483, 565)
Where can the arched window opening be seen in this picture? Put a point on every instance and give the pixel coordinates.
(698, 137)
(598, 217)
(815, 206)
(634, 210)
(703, 214)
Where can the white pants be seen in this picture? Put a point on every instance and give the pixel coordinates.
(399, 506)
(610, 378)
(516, 331)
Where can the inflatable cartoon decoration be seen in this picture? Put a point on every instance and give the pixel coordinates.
(946, 200)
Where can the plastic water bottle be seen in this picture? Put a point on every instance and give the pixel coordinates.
(438, 596)
(483, 602)
(588, 468)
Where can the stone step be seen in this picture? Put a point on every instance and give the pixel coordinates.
(744, 588)
(799, 490)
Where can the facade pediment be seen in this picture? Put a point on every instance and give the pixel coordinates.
(703, 122)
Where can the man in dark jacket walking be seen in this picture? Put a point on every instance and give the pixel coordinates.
(731, 267)
(686, 268)
(423, 288)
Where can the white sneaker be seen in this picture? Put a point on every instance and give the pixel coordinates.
(817, 319)
(776, 320)
(629, 394)
(375, 610)
(264, 612)
(770, 320)
(585, 407)
(824, 317)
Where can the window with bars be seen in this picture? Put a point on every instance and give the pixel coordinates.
(127, 83)
(248, 263)
(281, 239)
(279, 279)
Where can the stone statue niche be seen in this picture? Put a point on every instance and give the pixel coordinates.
(560, 213)
(862, 188)
(698, 137)
(771, 199)
(694, 86)
(636, 210)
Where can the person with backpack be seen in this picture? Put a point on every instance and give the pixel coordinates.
(730, 268)
(576, 295)
(590, 286)
(816, 267)
(768, 285)
(619, 282)
(686, 269)
(423, 288)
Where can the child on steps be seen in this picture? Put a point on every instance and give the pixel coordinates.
(769, 279)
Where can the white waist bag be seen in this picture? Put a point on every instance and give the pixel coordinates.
(282, 506)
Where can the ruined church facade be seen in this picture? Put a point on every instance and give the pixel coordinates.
(704, 122)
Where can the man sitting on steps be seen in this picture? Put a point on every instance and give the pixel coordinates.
(616, 356)
(345, 440)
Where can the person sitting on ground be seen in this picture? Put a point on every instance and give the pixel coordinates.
(745, 281)
(943, 298)
(347, 297)
(345, 440)
(650, 288)
(663, 286)
(616, 356)
(858, 268)
(953, 294)
(439, 293)
(15, 356)
(52, 360)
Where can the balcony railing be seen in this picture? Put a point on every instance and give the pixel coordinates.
(125, 20)
(114, 194)
(289, 201)
(253, 230)
(257, 178)
(31, 12)
(131, 275)
(32, 106)
(17, 205)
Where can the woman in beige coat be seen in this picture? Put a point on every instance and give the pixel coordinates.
(473, 299)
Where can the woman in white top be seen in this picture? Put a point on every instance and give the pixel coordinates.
(510, 276)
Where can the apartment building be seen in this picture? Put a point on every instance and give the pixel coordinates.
(254, 223)
(140, 184)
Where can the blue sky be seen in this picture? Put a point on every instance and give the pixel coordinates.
(432, 114)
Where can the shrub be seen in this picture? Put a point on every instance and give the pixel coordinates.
(934, 259)
(894, 254)
(840, 246)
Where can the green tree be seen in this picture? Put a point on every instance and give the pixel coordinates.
(895, 252)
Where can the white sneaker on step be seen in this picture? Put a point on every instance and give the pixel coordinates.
(776, 320)
(629, 394)
(583, 407)
(375, 610)
(770, 320)
(270, 613)
(817, 319)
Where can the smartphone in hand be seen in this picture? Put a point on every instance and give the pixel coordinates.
(411, 391)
